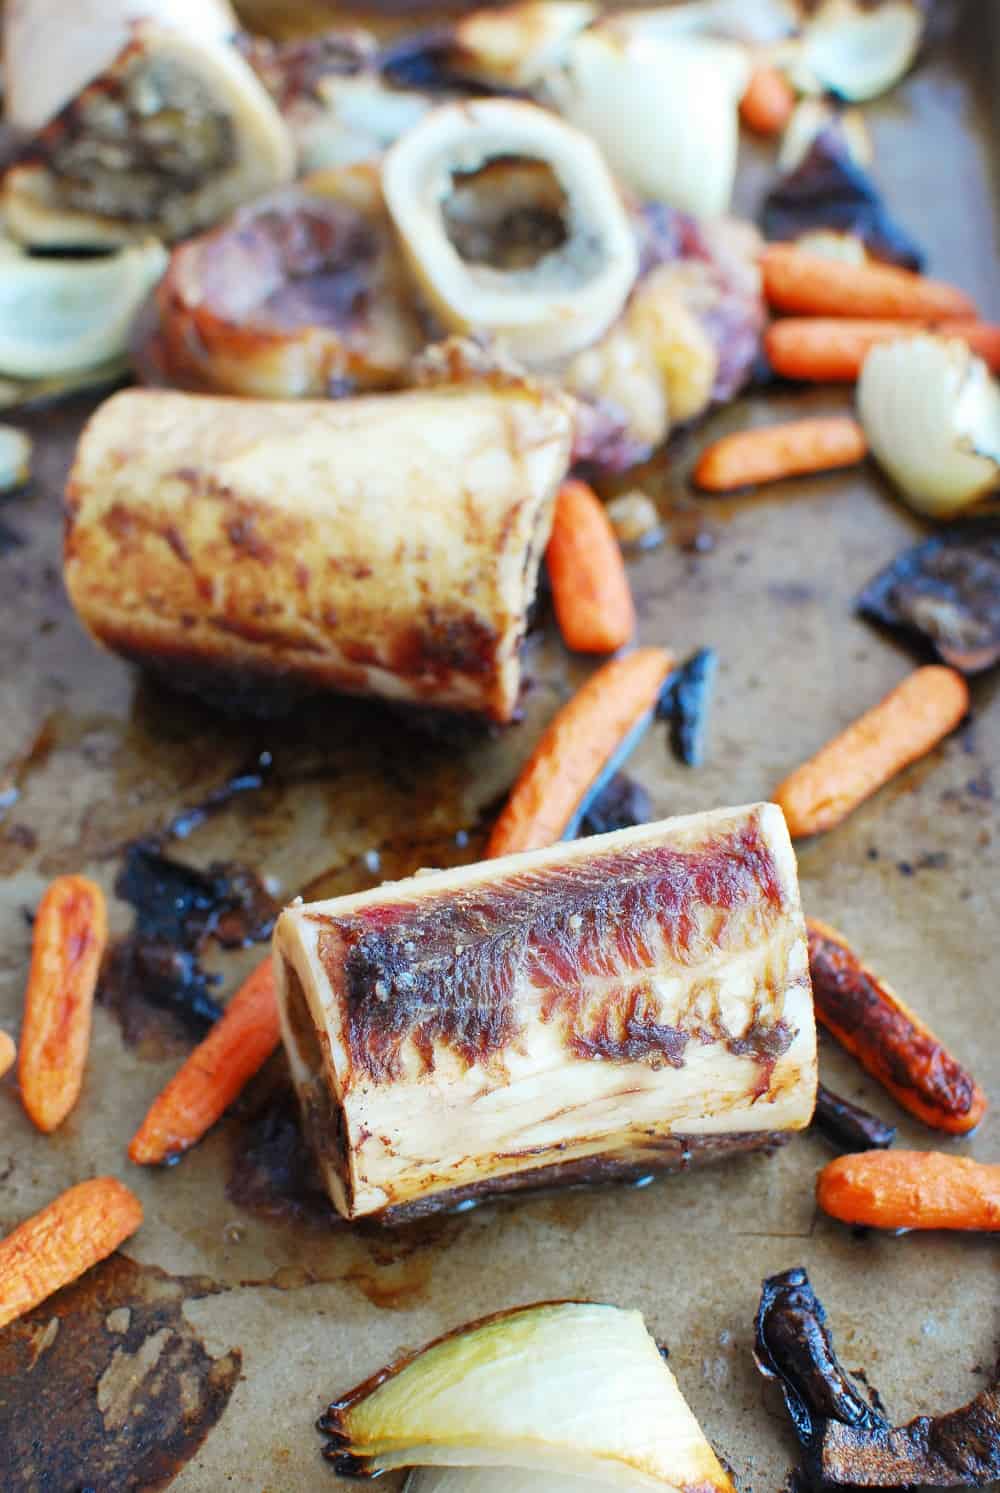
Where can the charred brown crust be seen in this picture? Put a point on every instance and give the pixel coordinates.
(446, 969)
(894, 1046)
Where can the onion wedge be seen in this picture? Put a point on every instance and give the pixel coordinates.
(61, 316)
(931, 413)
(542, 311)
(514, 46)
(858, 51)
(560, 1388)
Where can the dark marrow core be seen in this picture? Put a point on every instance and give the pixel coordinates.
(136, 137)
(851, 1002)
(447, 968)
(508, 214)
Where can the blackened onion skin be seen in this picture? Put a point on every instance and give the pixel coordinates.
(849, 1127)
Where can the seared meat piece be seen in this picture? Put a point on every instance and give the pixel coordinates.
(606, 1007)
(386, 545)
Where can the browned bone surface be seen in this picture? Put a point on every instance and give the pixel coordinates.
(578, 1004)
(91, 757)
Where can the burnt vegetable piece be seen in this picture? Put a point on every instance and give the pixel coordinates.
(684, 701)
(828, 189)
(849, 1442)
(945, 591)
(604, 1008)
(848, 1126)
(620, 804)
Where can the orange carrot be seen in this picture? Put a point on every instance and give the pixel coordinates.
(577, 745)
(57, 1245)
(813, 285)
(200, 1091)
(832, 349)
(774, 451)
(590, 589)
(888, 1039)
(8, 1053)
(70, 935)
(911, 1190)
(767, 104)
(911, 719)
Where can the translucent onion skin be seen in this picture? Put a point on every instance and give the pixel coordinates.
(858, 52)
(931, 413)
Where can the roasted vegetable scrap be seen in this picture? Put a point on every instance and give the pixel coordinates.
(141, 116)
(684, 702)
(260, 551)
(946, 591)
(546, 1395)
(849, 1127)
(828, 188)
(848, 1440)
(607, 1008)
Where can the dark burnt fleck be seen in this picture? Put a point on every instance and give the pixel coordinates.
(847, 1438)
(177, 910)
(247, 779)
(849, 1127)
(620, 804)
(830, 190)
(945, 593)
(88, 1399)
(446, 969)
(684, 702)
(10, 539)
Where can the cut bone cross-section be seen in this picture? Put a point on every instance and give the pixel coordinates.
(625, 1004)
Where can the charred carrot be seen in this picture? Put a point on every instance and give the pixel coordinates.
(911, 1190)
(70, 935)
(813, 285)
(576, 747)
(774, 451)
(8, 1053)
(911, 720)
(890, 1041)
(68, 1236)
(590, 590)
(207, 1083)
(767, 104)
(832, 349)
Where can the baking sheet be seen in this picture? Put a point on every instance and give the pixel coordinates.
(208, 1349)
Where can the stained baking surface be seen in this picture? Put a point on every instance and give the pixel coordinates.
(242, 1306)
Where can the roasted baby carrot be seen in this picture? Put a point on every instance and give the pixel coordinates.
(911, 719)
(868, 1018)
(911, 1190)
(771, 452)
(200, 1091)
(767, 104)
(813, 285)
(8, 1052)
(832, 349)
(590, 590)
(56, 1245)
(576, 747)
(70, 935)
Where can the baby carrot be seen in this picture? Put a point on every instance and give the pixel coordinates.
(56, 1246)
(813, 285)
(8, 1052)
(774, 451)
(911, 719)
(590, 590)
(577, 745)
(911, 1190)
(868, 1018)
(832, 349)
(767, 104)
(70, 935)
(200, 1091)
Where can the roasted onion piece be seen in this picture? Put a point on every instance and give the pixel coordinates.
(608, 1007)
(143, 117)
(540, 306)
(302, 293)
(514, 46)
(260, 550)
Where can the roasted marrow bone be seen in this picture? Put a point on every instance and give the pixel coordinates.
(304, 292)
(565, 1014)
(541, 308)
(142, 115)
(387, 545)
